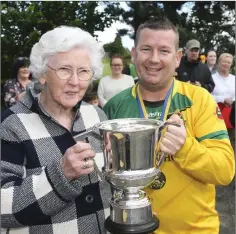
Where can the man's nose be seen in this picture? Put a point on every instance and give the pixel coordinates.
(155, 58)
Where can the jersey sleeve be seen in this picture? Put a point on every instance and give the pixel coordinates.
(207, 154)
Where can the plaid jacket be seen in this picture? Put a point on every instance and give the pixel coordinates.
(36, 197)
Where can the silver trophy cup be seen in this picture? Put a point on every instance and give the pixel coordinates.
(129, 152)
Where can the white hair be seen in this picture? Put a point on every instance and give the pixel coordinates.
(63, 39)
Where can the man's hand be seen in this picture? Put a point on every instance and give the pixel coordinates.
(174, 137)
(197, 83)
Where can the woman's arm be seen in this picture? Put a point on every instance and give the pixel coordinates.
(9, 93)
(31, 198)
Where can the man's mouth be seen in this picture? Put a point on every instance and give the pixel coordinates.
(153, 69)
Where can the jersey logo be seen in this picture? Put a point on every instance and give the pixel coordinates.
(218, 113)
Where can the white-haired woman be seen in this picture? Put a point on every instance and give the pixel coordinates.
(48, 181)
(224, 91)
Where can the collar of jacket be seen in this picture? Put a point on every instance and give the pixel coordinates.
(188, 63)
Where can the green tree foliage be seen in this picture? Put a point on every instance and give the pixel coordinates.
(212, 23)
(115, 47)
(23, 22)
(139, 12)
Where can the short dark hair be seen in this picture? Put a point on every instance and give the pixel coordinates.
(162, 23)
(210, 51)
(19, 63)
(90, 95)
(117, 56)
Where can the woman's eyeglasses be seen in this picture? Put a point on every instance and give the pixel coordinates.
(116, 65)
(65, 73)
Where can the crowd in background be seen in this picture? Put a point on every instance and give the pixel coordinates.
(200, 70)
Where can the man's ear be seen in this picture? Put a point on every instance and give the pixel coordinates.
(133, 54)
(178, 58)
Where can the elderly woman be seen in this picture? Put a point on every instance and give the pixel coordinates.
(17, 84)
(50, 183)
(109, 86)
(224, 91)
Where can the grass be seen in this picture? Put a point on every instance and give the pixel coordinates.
(106, 67)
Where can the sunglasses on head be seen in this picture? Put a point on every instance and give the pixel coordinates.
(22, 58)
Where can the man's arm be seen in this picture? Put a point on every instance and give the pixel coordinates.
(207, 154)
(208, 83)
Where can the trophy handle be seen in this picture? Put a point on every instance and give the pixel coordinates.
(106, 162)
(106, 166)
(161, 160)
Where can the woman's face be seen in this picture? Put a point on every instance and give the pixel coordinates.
(225, 64)
(68, 92)
(211, 58)
(117, 66)
(24, 73)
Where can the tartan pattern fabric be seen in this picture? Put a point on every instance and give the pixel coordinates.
(36, 197)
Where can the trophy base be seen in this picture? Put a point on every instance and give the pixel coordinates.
(116, 228)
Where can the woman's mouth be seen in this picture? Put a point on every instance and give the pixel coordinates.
(71, 93)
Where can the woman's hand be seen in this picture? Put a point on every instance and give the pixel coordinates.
(78, 160)
(20, 96)
(228, 101)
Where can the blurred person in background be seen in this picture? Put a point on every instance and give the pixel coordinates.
(224, 91)
(109, 86)
(211, 61)
(130, 70)
(14, 87)
(49, 182)
(91, 97)
(192, 70)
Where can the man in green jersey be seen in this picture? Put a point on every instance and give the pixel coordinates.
(199, 154)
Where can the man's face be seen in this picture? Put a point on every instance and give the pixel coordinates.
(155, 57)
(192, 54)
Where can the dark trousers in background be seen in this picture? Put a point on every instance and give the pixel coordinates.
(225, 199)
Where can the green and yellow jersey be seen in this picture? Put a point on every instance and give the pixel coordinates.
(186, 203)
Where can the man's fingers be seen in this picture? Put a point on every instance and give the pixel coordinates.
(175, 119)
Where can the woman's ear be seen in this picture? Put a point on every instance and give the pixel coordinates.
(42, 79)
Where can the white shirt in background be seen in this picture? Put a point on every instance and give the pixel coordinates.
(109, 87)
(224, 87)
